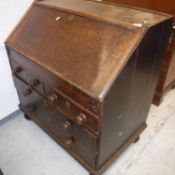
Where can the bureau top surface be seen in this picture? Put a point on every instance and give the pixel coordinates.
(111, 12)
(85, 43)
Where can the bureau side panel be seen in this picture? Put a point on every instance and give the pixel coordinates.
(114, 124)
(128, 102)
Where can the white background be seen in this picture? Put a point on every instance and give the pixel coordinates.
(10, 13)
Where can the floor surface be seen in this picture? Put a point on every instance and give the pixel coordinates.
(26, 150)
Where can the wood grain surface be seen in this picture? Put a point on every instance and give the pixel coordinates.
(90, 67)
(167, 75)
(86, 73)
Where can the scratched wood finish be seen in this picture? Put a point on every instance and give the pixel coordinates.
(83, 69)
(167, 75)
(94, 80)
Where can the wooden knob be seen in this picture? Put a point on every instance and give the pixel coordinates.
(17, 70)
(34, 83)
(53, 98)
(31, 107)
(81, 119)
(69, 141)
(66, 125)
(45, 103)
(27, 92)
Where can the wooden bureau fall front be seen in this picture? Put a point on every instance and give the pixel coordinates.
(86, 73)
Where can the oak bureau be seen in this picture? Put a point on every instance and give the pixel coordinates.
(86, 73)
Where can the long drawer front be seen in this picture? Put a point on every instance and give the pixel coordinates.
(74, 138)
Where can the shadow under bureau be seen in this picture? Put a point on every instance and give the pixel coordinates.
(86, 73)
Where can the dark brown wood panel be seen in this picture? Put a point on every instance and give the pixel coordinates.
(167, 75)
(116, 118)
(86, 73)
(135, 89)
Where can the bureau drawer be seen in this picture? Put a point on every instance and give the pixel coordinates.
(77, 140)
(72, 136)
(79, 115)
(27, 77)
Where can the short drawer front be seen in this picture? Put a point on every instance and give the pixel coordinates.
(75, 112)
(27, 77)
(73, 137)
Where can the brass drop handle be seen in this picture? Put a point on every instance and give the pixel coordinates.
(17, 70)
(34, 83)
(27, 92)
(81, 119)
(66, 125)
(69, 141)
(52, 98)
